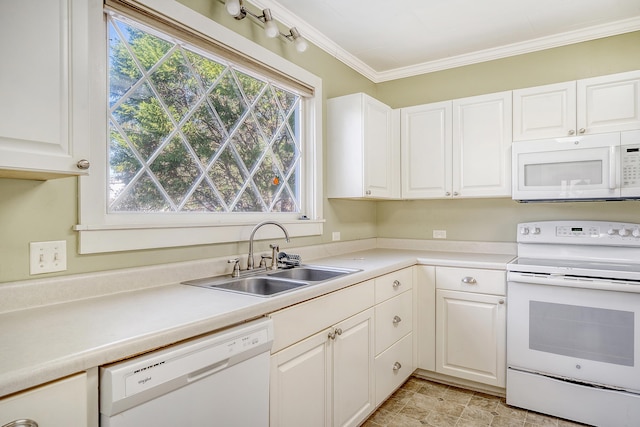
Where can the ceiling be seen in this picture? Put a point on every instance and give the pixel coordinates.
(390, 39)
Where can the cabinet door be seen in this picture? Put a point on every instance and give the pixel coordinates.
(379, 149)
(60, 404)
(300, 386)
(544, 112)
(470, 336)
(482, 146)
(44, 88)
(353, 370)
(426, 150)
(609, 103)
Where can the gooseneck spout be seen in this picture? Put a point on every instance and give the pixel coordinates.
(253, 232)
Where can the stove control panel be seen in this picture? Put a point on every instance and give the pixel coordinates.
(580, 233)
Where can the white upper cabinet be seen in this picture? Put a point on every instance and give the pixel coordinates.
(596, 105)
(426, 150)
(482, 146)
(363, 153)
(459, 148)
(44, 85)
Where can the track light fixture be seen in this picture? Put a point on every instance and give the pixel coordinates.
(236, 9)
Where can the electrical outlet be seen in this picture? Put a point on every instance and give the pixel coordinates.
(47, 257)
(335, 236)
(439, 234)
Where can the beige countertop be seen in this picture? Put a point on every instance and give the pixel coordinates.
(43, 343)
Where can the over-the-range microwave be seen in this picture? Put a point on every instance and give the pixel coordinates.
(589, 167)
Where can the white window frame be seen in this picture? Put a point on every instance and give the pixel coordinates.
(101, 232)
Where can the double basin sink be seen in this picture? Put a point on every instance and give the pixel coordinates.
(267, 283)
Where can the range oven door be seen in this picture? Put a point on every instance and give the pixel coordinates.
(587, 335)
(567, 168)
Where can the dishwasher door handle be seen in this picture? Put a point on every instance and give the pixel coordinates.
(207, 370)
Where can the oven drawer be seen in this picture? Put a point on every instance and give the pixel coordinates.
(471, 280)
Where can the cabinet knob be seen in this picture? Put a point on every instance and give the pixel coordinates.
(501, 301)
(83, 165)
(368, 192)
(396, 320)
(447, 194)
(455, 193)
(582, 130)
(396, 366)
(333, 334)
(468, 280)
(396, 284)
(21, 423)
(572, 132)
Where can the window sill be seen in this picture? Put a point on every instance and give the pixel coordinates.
(101, 239)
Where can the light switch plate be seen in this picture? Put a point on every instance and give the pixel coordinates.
(439, 234)
(335, 236)
(47, 257)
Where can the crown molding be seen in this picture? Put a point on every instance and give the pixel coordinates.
(289, 19)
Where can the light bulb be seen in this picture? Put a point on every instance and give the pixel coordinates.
(301, 44)
(233, 7)
(271, 29)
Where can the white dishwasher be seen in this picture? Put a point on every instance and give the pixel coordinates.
(221, 379)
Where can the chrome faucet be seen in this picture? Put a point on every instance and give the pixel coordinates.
(253, 232)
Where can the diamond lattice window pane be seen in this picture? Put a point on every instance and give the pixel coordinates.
(144, 120)
(124, 165)
(207, 70)
(249, 143)
(176, 170)
(123, 70)
(203, 199)
(227, 101)
(204, 133)
(177, 86)
(268, 114)
(227, 176)
(143, 196)
(250, 201)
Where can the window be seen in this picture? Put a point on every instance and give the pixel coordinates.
(192, 133)
(191, 147)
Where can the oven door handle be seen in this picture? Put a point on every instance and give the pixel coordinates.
(572, 282)
(613, 169)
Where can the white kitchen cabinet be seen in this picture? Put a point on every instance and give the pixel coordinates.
(363, 148)
(394, 361)
(62, 403)
(482, 146)
(426, 150)
(325, 378)
(459, 148)
(471, 324)
(595, 105)
(44, 87)
(426, 317)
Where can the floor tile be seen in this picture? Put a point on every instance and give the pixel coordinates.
(421, 402)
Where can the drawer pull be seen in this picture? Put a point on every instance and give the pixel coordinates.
(396, 284)
(21, 423)
(332, 335)
(501, 301)
(468, 280)
(396, 320)
(397, 366)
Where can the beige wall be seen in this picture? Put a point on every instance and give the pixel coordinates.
(41, 211)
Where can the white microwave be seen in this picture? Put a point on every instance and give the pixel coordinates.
(591, 167)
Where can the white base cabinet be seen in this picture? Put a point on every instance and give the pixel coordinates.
(327, 378)
(471, 324)
(63, 403)
(394, 361)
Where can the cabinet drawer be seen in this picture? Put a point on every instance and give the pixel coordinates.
(393, 284)
(302, 320)
(471, 280)
(394, 319)
(390, 376)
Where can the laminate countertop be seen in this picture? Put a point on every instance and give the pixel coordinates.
(43, 343)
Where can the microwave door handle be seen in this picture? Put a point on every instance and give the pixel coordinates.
(612, 168)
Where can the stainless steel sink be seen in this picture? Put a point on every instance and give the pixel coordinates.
(312, 273)
(268, 284)
(264, 286)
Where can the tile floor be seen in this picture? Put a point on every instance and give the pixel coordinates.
(424, 403)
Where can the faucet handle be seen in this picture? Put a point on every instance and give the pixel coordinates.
(274, 256)
(236, 266)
